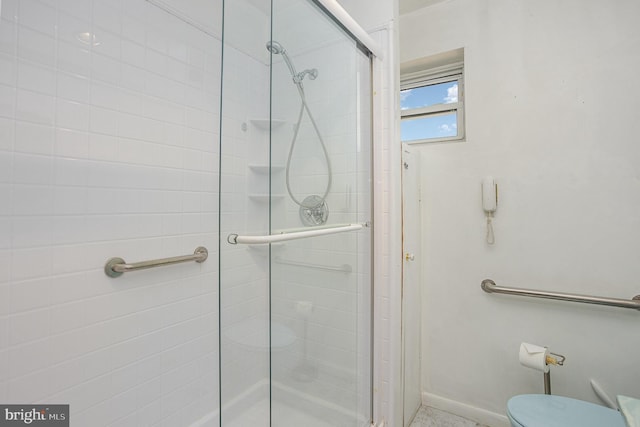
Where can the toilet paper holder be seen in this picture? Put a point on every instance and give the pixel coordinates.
(551, 359)
(539, 358)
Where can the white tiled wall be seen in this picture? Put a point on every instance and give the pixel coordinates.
(109, 115)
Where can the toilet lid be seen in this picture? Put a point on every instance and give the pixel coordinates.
(540, 410)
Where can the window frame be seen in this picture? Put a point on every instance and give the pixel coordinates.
(448, 73)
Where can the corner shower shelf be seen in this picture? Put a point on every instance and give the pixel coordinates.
(265, 169)
(265, 197)
(266, 124)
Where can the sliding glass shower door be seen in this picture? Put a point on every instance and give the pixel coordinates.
(295, 162)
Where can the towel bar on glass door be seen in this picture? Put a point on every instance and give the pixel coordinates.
(115, 267)
(235, 239)
(490, 286)
(345, 268)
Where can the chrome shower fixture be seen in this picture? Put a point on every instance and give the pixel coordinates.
(313, 209)
(312, 73)
(277, 49)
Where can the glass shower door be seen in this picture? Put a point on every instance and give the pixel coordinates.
(295, 316)
(244, 209)
(321, 163)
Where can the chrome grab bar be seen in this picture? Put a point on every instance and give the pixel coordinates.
(490, 286)
(235, 239)
(344, 268)
(115, 267)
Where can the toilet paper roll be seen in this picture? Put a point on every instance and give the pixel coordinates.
(534, 357)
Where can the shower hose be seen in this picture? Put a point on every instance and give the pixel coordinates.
(305, 107)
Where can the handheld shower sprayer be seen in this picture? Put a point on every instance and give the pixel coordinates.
(313, 209)
(277, 49)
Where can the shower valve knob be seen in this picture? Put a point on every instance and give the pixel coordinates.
(409, 257)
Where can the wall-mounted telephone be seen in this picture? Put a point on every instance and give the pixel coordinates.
(489, 204)
(489, 194)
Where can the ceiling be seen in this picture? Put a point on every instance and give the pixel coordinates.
(408, 6)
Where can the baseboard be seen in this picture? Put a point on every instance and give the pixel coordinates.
(478, 415)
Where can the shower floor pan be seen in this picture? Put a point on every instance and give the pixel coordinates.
(297, 410)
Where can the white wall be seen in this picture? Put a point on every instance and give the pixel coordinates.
(107, 150)
(552, 97)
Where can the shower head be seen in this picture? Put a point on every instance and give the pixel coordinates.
(274, 47)
(277, 49)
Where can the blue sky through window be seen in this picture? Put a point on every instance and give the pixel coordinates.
(434, 126)
(440, 126)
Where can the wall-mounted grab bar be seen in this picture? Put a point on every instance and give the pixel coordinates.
(490, 286)
(115, 267)
(344, 268)
(235, 239)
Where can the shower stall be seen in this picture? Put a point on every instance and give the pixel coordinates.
(145, 129)
(295, 219)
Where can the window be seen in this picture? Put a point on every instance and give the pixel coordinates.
(431, 105)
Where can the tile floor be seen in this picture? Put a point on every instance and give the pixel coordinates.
(430, 417)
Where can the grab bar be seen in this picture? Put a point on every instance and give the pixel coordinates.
(344, 268)
(235, 239)
(115, 267)
(490, 286)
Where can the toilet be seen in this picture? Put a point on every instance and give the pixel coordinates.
(542, 410)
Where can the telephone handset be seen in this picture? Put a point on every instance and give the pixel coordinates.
(489, 204)
(489, 194)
